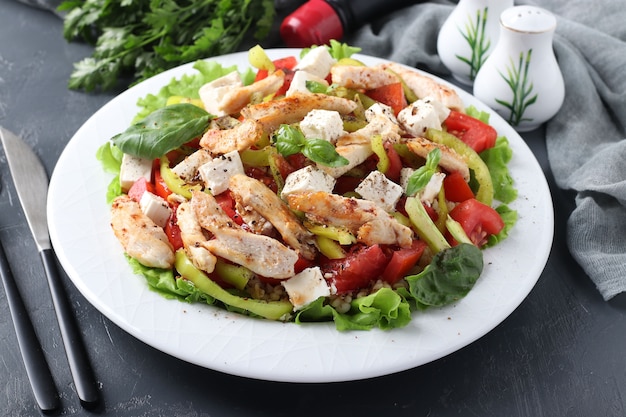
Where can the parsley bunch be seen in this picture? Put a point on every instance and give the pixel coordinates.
(141, 38)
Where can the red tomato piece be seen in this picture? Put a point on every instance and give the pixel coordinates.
(402, 260)
(391, 95)
(456, 188)
(139, 187)
(302, 264)
(160, 187)
(478, 135)
(362, 265)
(286, 64)
(478, 220)
(173, 232)
(227, 203)
(395, 163)
(261, 74)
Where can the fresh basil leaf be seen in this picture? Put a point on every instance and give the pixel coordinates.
(420, 178)
(323, 152)
(289, 140)
(163, 130)
(449, 277)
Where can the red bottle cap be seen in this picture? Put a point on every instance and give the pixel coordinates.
(314, 23)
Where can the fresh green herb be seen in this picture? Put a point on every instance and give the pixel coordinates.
(420, 178)
(290, 141)
(338, 50)
(449, 277)
(163, 130)
(141, 38)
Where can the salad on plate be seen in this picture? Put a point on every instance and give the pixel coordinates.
(310, 188)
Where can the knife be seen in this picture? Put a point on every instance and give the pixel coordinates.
(31, 183)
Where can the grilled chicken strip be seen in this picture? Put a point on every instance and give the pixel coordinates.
(249, 192)
(450, 160)
(261, 254)
(371, 224)
(240, 137)
(360, 77)
(293, 108)
(233, 101)
(424, 86)
(140, 237)
(356, 147)
(192, 237)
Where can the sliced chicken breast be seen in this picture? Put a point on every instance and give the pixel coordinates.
(141, 238)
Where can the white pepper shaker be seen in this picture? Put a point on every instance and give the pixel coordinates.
(469, 35)
(521, 80)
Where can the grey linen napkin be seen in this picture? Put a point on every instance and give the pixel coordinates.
(585, 140)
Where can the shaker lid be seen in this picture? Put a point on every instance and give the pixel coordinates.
(528, 19)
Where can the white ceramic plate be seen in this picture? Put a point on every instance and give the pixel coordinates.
(213, 338)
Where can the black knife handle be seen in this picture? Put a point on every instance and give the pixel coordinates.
(80, 366)
(35, 363)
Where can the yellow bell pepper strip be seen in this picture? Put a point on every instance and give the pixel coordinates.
(379, 149)
(330, 248)
(256, 157)
(426, 229)
(339, 234)
(180, 99)
(236, 275)
(457, 232)
(272, 310)
(258, 59)
(474, 162)
(174, 182)
(442, 210)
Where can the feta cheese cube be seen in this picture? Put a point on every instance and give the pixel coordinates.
(421, 115)
(317, 61)
(355, 154)
(187, 169)
(298, 82)
(381, 110)
(216, 173)
(322, 124)
(442, 111)
(155, 207)
(212, 93)
(306, 287)
(133, 168)
(309, 178)
(431, 191)
(376, 187)
(405, 174)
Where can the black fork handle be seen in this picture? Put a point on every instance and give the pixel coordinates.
(37, 368)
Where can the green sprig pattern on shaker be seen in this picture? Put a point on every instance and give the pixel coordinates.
(517, 80)
(475, 35)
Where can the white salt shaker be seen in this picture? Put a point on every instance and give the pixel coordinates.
(469, 35)
(521, 80)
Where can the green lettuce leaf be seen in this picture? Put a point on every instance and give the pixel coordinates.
(497, 159)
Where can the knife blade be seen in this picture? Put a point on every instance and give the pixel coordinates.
(31, 184)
